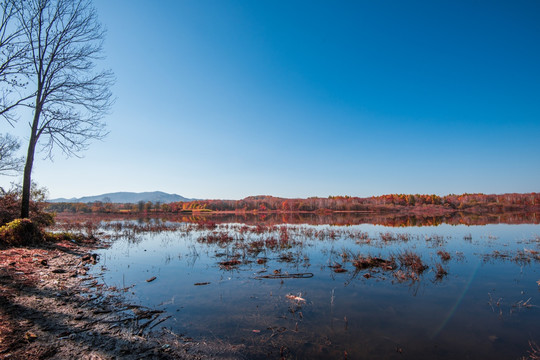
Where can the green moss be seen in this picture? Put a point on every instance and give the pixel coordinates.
(60, 236)
(21, 232)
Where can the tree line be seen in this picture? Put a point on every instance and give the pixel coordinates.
(384, 203)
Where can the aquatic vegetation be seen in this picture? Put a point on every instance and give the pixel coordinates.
(411, 260)
(390, 236)
(338, 268)
(522, 257)
(435, 240)
(216, 237)
(441, 272)
(353, 279)
(445, 255)
(205, 224)
(368, 262)
(534, 352)
(230, 264)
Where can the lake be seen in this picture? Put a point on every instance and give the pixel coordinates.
(307, 289)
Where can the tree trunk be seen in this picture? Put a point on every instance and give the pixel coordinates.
(27, 177)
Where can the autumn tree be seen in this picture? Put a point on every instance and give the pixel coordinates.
(69, 96)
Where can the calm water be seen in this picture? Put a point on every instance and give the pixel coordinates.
(484, 307)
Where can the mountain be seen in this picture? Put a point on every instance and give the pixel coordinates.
(127, 197)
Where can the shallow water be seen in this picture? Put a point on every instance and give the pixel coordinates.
(485, 306)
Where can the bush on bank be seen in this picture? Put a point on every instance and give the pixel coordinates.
(21, 232)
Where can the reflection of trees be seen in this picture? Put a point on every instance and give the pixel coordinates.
(338, 219)
(345, 219)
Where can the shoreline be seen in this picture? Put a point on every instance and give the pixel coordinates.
(50, 308)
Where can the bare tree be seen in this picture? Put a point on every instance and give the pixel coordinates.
(9, 164)
(13, 61)
(70, 97)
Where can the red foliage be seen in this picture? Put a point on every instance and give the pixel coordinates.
(477, 203)
(10, 209)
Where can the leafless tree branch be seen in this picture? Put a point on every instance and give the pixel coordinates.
(70, 96)
(13, 61)
(9, 164)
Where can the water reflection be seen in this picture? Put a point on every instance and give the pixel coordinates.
(354, 218)
(334, 218)
(309, 290)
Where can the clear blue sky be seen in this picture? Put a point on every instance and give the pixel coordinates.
(226, 99)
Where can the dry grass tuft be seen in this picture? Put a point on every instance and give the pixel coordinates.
(368, 262)
(441, 272)
(445, 255)
(412, 261)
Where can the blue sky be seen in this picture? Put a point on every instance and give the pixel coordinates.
(226, 99)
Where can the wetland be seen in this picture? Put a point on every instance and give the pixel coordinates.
(268, 288)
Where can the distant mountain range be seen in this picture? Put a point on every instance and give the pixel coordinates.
(127, 197)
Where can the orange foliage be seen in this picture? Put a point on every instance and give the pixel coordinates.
(477, 203)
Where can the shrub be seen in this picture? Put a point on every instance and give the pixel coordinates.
(42, 219)
(10, 207)
(21, 232)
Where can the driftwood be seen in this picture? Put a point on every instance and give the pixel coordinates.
(286, 276)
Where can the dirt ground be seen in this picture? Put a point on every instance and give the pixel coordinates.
(50, 308)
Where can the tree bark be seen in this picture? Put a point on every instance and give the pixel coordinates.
(27, 177)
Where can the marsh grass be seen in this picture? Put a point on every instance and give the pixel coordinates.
(264, 244)
(269, 256)
(369, 262)
(441, 272)
(520, 257)
(533, 353)
(445, 255)
(412, 261)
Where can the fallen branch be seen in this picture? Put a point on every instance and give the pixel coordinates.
(286, 276)
(159, 322)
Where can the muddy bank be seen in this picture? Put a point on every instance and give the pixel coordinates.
(50, 308)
